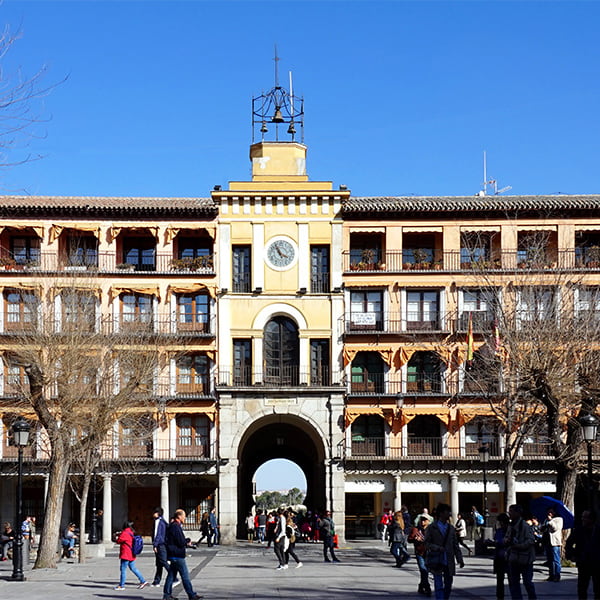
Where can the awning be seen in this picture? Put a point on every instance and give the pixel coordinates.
(351, 351)
(115, 290)
(39, 229)
(191, 288)
(59, 288)
(115, 230)
(587, 227)
(352, 413)
(171, 232)
(423, 229)
(480, 229)
(408, 414)
(209, 411)
(367, 229)
(536, 227)
(56, 230)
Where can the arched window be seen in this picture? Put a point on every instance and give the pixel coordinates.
(281, 351)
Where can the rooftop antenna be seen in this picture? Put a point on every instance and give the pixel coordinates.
(276, 60)
(490, 182)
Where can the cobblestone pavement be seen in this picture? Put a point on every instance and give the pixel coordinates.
(248, 571)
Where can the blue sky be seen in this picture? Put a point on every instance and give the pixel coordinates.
(401, 97)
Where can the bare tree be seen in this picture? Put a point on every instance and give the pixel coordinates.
(544, 324)
(82, 374)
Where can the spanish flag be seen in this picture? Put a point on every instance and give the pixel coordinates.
(496, 335)
(470, 343)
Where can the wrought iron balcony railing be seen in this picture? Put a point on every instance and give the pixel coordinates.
(275, 377)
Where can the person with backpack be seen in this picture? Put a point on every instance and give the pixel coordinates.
(129, 548)
(478, 522)
(326, 532)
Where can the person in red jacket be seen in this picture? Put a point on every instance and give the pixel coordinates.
(125, 541)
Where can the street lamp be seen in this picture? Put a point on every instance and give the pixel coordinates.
(589, 425)
(20, 430)
(484, 456)
(94, 528)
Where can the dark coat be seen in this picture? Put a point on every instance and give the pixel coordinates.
(159, 537)
(175, 539)
(434, 540)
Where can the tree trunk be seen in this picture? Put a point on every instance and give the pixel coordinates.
(82, 514)
(511, 488)
(47, 556)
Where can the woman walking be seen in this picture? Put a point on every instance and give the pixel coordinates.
(461, 532)
(291, 531)
(398, 539)
(127, 557)
(500, 563)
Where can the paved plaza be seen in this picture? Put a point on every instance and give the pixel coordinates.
(248, 571)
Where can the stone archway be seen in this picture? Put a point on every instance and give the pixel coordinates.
(281, 436)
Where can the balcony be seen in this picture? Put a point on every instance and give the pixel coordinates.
(381, 322)
(367, 446)
(482, 321)
(106, 262)
(386, 384)
(293, 376)
(135, 450)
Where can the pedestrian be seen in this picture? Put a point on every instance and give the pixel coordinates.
(271, 525)
(326, 532)
(424, 513)
(261, 528)
(500, 563)
(176, 549)
(159, 545)
(406, 518)
(204, 530)
(478, 522)
(68, 541)
(442, 552)
(520, 547)
(7, 538)
(250, 527)
(127, 557)
(583, 546)
(279, 541)
(461, 532)
(214, 527)
(384, 523)
(398, 540)
(417, 537)
(291, 532)
(32, 532)
(552, 530)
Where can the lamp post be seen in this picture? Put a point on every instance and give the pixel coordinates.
(484, 456)
(589, 425)
(94, 528)
(20, 430)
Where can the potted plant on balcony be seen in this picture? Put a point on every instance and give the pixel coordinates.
(125, 267)
(8, 263)
(592, 255)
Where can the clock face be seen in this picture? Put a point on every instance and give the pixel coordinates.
(281, 253)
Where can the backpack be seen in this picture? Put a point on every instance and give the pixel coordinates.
(479, 519)
(138, 545)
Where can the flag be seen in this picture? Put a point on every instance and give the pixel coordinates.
(470, 342)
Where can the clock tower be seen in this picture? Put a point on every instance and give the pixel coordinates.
(279, 306)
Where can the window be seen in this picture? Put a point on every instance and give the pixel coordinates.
(476, 249)
(192, 375)
(319, 362)
(368, 436)
(367, 373)
(418, 251)
(136, 312)
(477, 304)
(424, 373)
(424, 436)
(242, 362)
(82, 251)
(241, 269)
(588, 304)
(140, 252)
(78, 311)
(281, 351)
(21, 310)
(193, 435)
(366, 310)
(193, 313)
(15, 379)
(25, 250)
(536, 305)
(194, 253)
(479, 431)
(366, 251)
(422, 310)
(135, 437)
(587, 249)
(533, 248)
(319, 269)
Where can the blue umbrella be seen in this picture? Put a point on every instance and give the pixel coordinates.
(540, 506)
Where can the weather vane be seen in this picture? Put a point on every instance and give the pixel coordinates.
(278, 107)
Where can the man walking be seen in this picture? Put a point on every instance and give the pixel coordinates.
(280, 539)
(213, 524)
(583, 546)
(520, 546)
(327, 531)
(176, 548)
(159, 544)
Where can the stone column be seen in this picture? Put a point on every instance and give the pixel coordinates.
(454, 494)
(107, 508)
(164, 494)
(227, 500)
(398, 492)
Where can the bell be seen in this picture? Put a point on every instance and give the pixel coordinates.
(263, 128)
(277, 117)
(291, 128)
